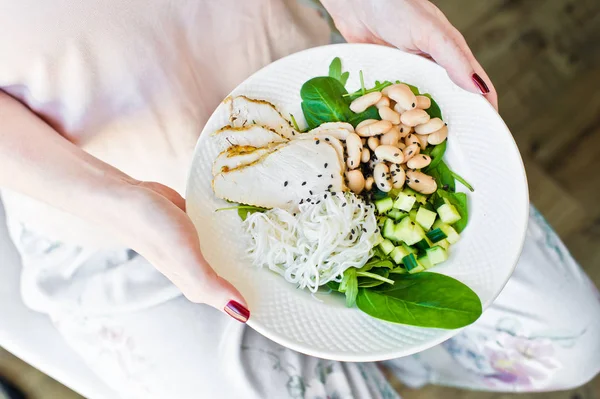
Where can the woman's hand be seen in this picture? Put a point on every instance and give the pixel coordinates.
(160, 231)
(415, 26)
(148, 217)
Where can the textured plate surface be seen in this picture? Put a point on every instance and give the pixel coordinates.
(480, 148)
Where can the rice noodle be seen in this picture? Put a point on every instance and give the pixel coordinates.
(329, 234)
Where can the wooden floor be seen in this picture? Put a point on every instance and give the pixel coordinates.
(544, 58)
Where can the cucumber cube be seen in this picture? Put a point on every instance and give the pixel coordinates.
(410, 262)
(425, 218)
(436, 254)
(421, 198)
(448, 214)
(396, 214)
(425, 262)
(409, 232)
(386, 246)
(384, 204)
(417, 269)
(405, 202)
(398, 253)
(389, 230)
(444, 244)
(413, 215)
(451, 235)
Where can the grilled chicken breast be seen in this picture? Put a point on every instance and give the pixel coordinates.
(237, 156)
(246, 111)
(250, 135)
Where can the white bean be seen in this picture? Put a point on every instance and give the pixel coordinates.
(388, 114)
(433, 125)
(398, 175)
(399, 109)
(365, 123)
(389, 153)
(420, 182)
(373, 142)
(404, 130)
(363, 102)
(412, 139)
(365, 155)
(373, 129)
(369, 183)
(423, 102)
(381, 174)
(414, 117)
(354, 148)
(422, 140)
(403, 96)
(438, 137)
(384, 102)
(410, 151)
(391, 137)
(356, 181)
(419, 162)
(401, 145)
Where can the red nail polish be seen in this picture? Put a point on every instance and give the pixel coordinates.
(237, 311)
(483, 87)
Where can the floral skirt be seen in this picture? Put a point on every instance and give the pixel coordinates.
(137, 333)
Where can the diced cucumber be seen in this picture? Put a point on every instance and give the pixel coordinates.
(425, 218)
(436, 235)
(422, 245)
(384, 204)
(409, 232)
(398, 254)
(448, 214)
(394, 192)
(444, 244)
(410, 262)
(409, 249)
(396, 214)
(386, 246)
(425, 262)
(421, 198)
(389, 230)
(436, 254)
(452, 235)
(413, 215)
(417, 269)
(405, 202)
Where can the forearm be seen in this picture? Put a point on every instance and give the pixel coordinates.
(35, 160)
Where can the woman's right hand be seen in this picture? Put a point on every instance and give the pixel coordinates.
(163, 234)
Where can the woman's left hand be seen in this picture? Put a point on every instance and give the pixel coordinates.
(415, 26)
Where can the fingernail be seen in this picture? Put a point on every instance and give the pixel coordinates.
(483, 87)
(237, 311)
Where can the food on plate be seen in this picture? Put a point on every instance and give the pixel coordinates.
(361, 201)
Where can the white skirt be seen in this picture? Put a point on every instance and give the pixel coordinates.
(137, 332)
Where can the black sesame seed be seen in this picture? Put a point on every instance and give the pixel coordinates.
(294, 214)
(326, 138)
(285, 184)
(318, 202)
(424, 157)
(319, 175)
(325, 166)
(325, 196)
(351, 163)
(344, 204)
(416, 181)
(310, 191)
(413, 105)
(304, 183)
(317, 142)
(383, 174)
(332, 175)
(330, 186)
(364, 230)
(382, 185)
(352, 231)
(413, 223)
(293, 134)
(410, 152)
(446, 124)
(302, 201)
(376, 231)
(308, 200)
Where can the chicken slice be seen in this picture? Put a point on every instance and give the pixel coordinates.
(250, 135)
(237, 156)
(339, 130)
(246, 111)
(284, 177)
(335, 143)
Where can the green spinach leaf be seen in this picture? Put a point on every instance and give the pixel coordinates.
(436, 153)
(344, 77)
(349, 286)
(335, 69)
(443, 176)
(434, 110)
(423, 299)
(370, 113)
(322, 101)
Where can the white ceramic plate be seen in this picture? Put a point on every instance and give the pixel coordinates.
(480, 148)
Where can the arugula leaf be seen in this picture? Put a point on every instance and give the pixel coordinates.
(434, 110)
(460, 202)
(422, 299)
(378, 87)
(443, 176)
(335, 69)
(436, 153)
(243, 210)
(322, 101)
(349, 286)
